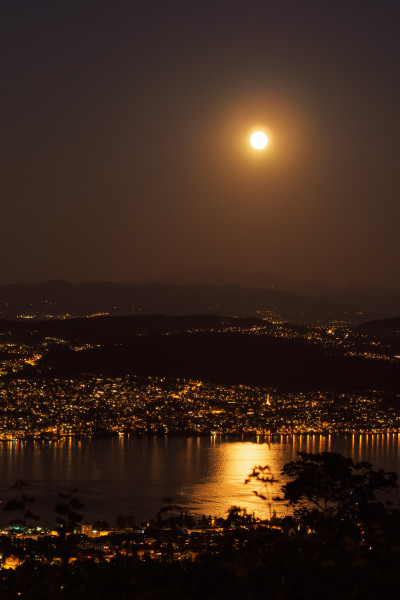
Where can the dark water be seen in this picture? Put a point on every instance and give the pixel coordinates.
(132, 476)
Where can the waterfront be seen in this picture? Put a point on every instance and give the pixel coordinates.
(130, 476)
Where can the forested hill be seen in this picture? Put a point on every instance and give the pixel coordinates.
(235, 358)
(104, 328)
(382, 326)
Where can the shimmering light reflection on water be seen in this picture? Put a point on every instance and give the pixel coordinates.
(230, 464)
(205, 475)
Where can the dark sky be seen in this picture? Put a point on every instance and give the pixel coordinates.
(124, 142)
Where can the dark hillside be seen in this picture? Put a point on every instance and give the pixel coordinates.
(229, 358)
(105, 328)
(387, 329)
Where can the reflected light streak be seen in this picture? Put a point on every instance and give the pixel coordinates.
(205, 475)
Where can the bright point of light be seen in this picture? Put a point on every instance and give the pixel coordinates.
(259, 140)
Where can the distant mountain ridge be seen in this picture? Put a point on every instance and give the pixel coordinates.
(265, 279)
(377, 300)
(54, 299)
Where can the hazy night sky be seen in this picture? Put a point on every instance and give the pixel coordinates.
(124, 143)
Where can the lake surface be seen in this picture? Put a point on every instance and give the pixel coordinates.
(131, 476)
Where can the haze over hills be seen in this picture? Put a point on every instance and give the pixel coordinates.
(266, 279)
(60, 298)
(370, 300)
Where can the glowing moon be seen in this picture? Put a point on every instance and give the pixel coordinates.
(259, 140)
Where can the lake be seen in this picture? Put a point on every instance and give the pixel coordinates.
(131, 476)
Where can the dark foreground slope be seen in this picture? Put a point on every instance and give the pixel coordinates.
(232, 358)
(293, 568)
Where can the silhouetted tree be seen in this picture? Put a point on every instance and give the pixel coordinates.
(169, 513)
(330, 494)
(332, 484)
(67, 515)
(21, 504)
(238, 516)
(265, 477)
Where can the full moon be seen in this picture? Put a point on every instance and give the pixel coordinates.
(259, 140)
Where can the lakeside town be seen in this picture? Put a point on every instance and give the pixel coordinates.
(92, 406)
(39, 400)
(170, 536)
